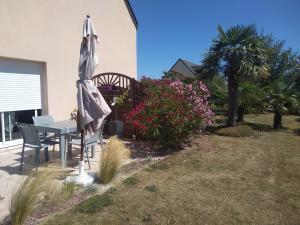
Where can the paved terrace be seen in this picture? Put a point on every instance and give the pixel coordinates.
(10, 175)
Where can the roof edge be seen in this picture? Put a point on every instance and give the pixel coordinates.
(130, 10)
(174, 65)
(191, 69)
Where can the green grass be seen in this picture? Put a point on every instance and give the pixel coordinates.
(68, 190)
(130, 181)
(159, 166)
(151, 188)
(94, 204)
(221, 180)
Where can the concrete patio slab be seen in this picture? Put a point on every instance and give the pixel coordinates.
(11, 176)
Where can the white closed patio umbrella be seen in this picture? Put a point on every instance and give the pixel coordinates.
(91, 105)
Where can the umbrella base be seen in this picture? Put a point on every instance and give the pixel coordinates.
(82, 178)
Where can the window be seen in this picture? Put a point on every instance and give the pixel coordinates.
(9, 130)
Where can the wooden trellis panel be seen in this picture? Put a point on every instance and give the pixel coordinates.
(114, 84)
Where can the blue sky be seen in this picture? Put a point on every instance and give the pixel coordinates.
(172, 29)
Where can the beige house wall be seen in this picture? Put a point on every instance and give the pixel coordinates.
(49, 31)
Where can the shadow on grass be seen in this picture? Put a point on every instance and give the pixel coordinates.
(297, 131)
(214, 129)
(255, 126)
(259, 126)
(220, 120)
(243, 129)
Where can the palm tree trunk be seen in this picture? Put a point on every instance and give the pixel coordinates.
(240, 113)
(277, 120)
(232, 100)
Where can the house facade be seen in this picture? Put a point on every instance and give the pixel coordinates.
(185, 68)
(40, 42)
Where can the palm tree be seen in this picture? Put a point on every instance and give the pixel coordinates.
(250, 95)
(282, 99)
(218, 92)
(239, 54)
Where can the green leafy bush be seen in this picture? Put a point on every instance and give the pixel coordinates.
(172, 111)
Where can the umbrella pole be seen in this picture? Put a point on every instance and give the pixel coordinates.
(81, 145)
(83, 178)
(81, 162)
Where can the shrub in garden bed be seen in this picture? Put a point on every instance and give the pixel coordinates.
(171, 112)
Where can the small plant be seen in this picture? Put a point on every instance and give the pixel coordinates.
(94, 204)
(130, 181)
(112, 190)
(34, 189)
(121, 99)
(73, 115)
(118, 101)
(146, 218)
(91, 189)
(113, 154)
(151, 188)
(68, 190)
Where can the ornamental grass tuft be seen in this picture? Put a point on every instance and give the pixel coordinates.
(33, 190)
(113, 154)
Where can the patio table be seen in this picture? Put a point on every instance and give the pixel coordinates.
(63, 129)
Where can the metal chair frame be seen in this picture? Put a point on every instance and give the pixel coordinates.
(91, 142)
(31, 139)
(42, 120)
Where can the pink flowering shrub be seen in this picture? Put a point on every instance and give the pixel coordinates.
(172, 111)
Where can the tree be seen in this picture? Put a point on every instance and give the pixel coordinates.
(283, 63)
(173, 75)
(250, 95)
(282, 99)
(283, 84)
(218, 93)
(239, 54)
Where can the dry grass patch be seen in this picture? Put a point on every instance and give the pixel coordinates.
(224, 180)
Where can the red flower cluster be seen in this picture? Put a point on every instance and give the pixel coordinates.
(172, 111)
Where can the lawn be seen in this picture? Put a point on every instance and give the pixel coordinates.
(220, 180)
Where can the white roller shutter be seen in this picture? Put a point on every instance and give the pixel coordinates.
(20, 85)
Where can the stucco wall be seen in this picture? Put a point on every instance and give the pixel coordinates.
(181, 68)
(49, 31)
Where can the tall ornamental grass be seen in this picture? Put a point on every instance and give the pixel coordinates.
(33, 190)
(113, 154)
